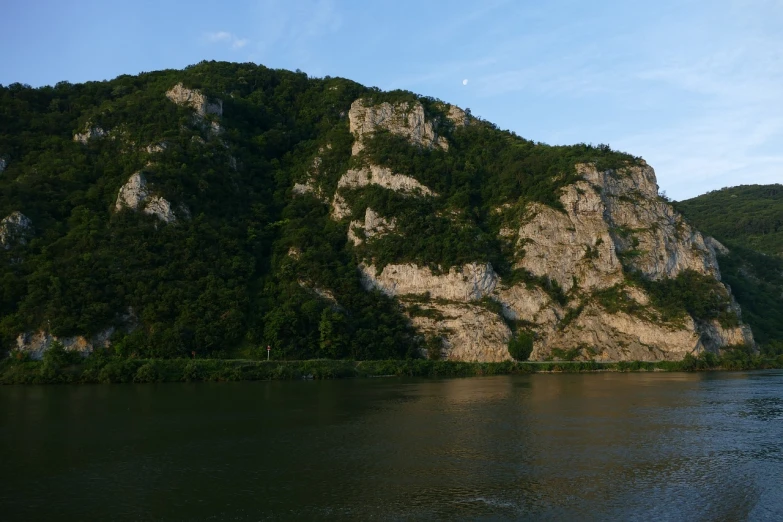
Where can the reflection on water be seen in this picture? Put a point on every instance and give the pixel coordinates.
(598, 446)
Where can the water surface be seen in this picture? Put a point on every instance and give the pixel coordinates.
(658, 446)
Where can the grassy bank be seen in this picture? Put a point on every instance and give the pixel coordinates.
(66, 368)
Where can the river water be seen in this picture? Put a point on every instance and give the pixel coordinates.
(642, 446)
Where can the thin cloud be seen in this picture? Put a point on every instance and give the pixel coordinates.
(225, 37)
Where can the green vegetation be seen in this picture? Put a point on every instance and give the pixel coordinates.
(756, 281)
(247, 264)
(222, 283)
(566, 355)
(520, 346)
(700, 296)
(749, 216)
(218, 283)
(112, 369)
(748, 219)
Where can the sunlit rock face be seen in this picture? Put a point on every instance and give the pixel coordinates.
(405, 119)
(194, 98)
(135, 195)
(14, 228)
(35, 344)
(91, 132)
(610, 222)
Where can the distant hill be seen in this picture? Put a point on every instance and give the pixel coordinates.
(749, 220)
(748, 215)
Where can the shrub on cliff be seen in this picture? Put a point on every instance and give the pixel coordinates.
(520, 346)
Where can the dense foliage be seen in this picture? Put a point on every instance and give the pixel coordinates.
(68, 368)
(748, 215)
(483, 171)
(216, 283)
(224, 282)
(749, 220)
(756, 281)
(247, 264)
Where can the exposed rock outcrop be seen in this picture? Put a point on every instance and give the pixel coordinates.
(91, 132)
(644, 225)
(3, 164)
(714, 337)
(135, 195)
(194, 98)
(608, 216)
(467, 329)
(14, 228)
(618, 337)
(374, 175)
(203, 106)
(405, 119)
(372, 226)
(457, 116)
(36, 343)
(472, 282)
(574, 247)
(715, 246)
(160, 208)
(611, 222)
(156, 148)
(310, 186)
(467, 332)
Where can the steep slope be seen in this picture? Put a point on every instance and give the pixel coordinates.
(749, 216)
(748, 219)
(229, 206)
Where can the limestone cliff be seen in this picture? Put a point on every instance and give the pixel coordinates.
(194, 98)
(404, 119)
(372, 226)
(14, 228)
(90, 132)
(135, 195)
(612, 223)
(204, 107)
(35, 344)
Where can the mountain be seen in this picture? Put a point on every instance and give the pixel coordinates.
(749, 216)
(749, 220)
(227, 207)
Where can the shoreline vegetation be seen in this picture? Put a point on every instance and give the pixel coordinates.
(60, 367)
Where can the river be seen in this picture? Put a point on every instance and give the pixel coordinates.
(607, 446)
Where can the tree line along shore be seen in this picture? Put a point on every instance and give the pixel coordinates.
(61, 367)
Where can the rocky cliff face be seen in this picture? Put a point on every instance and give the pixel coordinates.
(404, 119)
(135, 195)
(14, 228)
(612, 222)
(91, 132)
(203, 106)
(372, 226)
(36, 343)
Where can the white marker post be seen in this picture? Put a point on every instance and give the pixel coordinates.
(268, 349)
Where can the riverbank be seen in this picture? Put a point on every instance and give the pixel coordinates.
(94, 370)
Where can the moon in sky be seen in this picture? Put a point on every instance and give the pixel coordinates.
(465, 81)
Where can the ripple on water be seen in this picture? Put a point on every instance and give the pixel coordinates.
(594, 447)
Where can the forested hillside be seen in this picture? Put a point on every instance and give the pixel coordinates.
(748, 215)
(210, 210)
(749, 220)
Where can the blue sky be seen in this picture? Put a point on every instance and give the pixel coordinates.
(693, 86)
